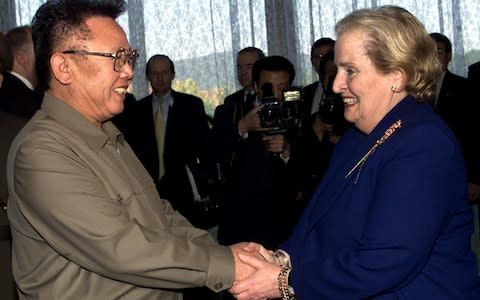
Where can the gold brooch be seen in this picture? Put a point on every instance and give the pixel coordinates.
(391, 130)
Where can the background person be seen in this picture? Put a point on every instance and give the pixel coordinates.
(258, 184)
(246, 58)
(9, 127)
(391, 217)
(167, 130)
(18, 91)
(312, 93)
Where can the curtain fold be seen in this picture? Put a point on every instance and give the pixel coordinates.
(7, 15)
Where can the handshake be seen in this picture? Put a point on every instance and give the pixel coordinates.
(260, 273)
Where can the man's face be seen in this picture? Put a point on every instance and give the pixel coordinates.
(318, 53)
(245, 62)
(443, 56)
(160, 76)
(99, 90)
(278, 79)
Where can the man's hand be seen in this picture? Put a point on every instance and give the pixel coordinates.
(251, 121)
(268, 255)
(277, 143)
(263, 284)
(243, 270)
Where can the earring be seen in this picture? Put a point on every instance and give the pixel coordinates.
(393, 88)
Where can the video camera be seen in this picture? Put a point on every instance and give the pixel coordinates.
(280, 115)
(331, 106)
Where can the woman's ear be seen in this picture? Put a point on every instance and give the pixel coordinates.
(399, 80)
(60, 68)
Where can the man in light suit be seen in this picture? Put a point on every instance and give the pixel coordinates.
(87, 221)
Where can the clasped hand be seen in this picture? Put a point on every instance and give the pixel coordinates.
(261, 280)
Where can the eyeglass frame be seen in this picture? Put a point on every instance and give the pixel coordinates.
(441, 51)
(130, 54)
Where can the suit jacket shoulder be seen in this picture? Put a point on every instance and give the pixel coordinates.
(236, 97)
(474, 72)
(17, 98)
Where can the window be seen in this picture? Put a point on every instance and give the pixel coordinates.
(203, 36)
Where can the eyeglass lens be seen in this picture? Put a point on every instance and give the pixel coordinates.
(123, 56)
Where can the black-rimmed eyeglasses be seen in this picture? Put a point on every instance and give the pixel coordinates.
(120, 58)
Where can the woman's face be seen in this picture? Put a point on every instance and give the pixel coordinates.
(367, 93)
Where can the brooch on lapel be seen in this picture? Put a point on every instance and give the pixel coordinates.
(391, 130)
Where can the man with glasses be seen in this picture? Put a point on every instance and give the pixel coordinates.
(313, 92)
(86, 219)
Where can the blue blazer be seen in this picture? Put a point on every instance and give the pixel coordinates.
(399, 226)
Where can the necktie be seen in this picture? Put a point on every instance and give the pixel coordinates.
(250, 102)
(160, 136)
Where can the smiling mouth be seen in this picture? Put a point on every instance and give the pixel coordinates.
(120, 90)
(350, 100)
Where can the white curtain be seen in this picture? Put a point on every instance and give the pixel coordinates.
(203, 36)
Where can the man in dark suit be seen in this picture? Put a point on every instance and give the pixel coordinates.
(17, 93)
(9, 127)
(259, 194)
(18, 102)
(245, 60)
(454, 103)
(6, 57)
(312, 93)
(185, 129)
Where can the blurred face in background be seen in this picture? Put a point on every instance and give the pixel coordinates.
(245, 63)
(443, 56)
(330, 72)
(318, 54)
(279, 80)
(160, 76)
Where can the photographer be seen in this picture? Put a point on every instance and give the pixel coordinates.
(259, 190)
(322, 131)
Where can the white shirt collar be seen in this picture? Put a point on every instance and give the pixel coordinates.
(23, 79)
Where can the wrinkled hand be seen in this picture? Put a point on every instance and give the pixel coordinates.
(243, 270)
(260, 285)
(277, 143)
(251, 121)
(268, 255)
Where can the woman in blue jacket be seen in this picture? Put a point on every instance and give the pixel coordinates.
(390, 219)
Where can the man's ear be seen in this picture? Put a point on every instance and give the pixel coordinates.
(20, 58)
(61, 70)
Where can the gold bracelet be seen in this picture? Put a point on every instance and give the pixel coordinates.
(282, 258)
(283, 286)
